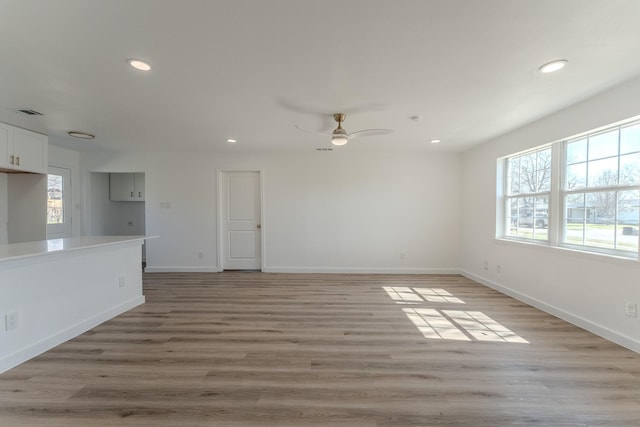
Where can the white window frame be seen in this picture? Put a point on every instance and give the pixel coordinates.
(505, 222)
(557, 209)
(615, 188)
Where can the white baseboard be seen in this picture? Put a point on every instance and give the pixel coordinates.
(581, 322)
(363, 270)
(329, 270)
(181, 270)
(58, 338)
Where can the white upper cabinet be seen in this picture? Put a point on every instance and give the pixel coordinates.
(6, 145)
(23, 150)
(126, 187)
(138, 186)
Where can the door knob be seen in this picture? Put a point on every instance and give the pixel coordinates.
(259, 226)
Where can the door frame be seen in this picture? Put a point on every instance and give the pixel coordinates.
(220, 227)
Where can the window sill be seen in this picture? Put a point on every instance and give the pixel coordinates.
(586, 255)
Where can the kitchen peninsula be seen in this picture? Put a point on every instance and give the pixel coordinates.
(54, 290)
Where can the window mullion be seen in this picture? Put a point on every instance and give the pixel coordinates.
(556, 206)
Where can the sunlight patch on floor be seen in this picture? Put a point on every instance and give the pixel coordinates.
(403, 295)
(407, 295)
(434, 325)
(437, 295)
(482, 327)
(458, 325)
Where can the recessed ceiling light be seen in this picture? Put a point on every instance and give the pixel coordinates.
(553, 66)
(81, 135)
(435, 141)
(232, 141)
(139, 65)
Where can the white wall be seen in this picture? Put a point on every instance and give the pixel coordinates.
(97, 223)
(127, 219)
(112, 218)
(26, 207)
(589, 290)
(339, 211)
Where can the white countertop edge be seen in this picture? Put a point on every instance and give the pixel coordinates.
(17, 251)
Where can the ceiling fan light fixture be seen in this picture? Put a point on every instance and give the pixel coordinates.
(339, 136)
(339, 139)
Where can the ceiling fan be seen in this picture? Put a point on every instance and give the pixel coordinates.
(339, 136)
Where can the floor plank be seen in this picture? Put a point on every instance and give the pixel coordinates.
(258, 349)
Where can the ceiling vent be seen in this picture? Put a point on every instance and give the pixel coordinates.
(31, 112)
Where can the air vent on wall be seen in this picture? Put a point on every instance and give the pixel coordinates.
(324, 149)
(31, 112)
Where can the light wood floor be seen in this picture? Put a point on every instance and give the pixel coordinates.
(254, 349)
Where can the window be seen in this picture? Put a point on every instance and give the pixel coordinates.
(527, 196)
(596, 194)
(55, 207)
(601, 195)
(58, 203)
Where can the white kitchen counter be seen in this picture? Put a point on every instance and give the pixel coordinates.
(54, 290)
(15, 251)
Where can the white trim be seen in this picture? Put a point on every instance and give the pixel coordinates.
(361, 270)
(178, 269)
(581, 322)
(573, 252)
(219, 219)
(58, 338)
(329, 270)
(263, 248)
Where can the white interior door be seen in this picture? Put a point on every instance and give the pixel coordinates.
(58, 203)
(241, 213)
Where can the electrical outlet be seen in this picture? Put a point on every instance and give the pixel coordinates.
(130, 223)
(486, 265)
(499, 268)
(121, 281)
(200, 255)
(631, 309)
(11, 321)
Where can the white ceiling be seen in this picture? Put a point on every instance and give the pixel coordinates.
(246, 68)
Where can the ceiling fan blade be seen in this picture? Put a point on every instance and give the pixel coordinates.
(370, 132)
(315, 132)
(300, 108)
(364, 107)
(319, 111)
